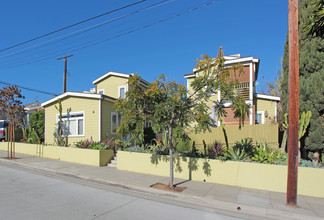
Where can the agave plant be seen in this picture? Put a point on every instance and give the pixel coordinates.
(236, 154)
(246, 145)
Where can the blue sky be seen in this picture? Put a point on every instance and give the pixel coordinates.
(250, 28)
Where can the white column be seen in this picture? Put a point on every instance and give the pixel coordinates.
(251, 94)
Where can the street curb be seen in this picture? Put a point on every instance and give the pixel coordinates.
(221, 207)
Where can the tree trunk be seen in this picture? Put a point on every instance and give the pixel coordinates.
(13, 138)
(171, 156)
(8, 139)
(11, 134)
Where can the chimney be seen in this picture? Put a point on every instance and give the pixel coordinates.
(220, 52)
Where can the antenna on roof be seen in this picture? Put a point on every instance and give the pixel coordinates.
(220, 52)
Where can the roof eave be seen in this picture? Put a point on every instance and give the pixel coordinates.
(78, 94)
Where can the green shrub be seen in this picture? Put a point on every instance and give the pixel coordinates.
(183, 145)
(245, 145)
(236, 154)
(264, 154)
(33, 138)
(104, 145)
(37, 124)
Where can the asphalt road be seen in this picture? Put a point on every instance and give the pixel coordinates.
(28, 195)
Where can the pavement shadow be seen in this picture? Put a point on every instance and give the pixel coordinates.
(179, 162)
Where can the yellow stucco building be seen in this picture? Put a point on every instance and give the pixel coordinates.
(87, 115)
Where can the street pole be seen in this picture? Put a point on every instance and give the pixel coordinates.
(293, 103)
(65, 70)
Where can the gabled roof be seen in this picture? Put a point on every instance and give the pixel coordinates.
(32, 106)
(124, 75)
(268, 97)
(79, 94)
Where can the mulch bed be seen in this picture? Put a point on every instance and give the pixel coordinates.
(168, 188)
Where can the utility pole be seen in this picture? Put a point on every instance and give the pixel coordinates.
(65, 70)
(293, 89)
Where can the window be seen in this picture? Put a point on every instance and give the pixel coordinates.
(3, 124)
(148, 124)
(101, 91)
(72, 124)
(259, 117)
(115, 122)
(213, 115)
(121, 92)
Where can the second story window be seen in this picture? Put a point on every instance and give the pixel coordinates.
(121, 92)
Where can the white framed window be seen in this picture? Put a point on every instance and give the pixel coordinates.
(259, 117)
(101, 91)
(121, 92)
(115, 122)
(72, 124)
(213, 115)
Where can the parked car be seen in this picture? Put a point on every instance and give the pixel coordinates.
(3, 125)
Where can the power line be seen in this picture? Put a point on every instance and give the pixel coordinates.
(83, 30)
(64, 28)
(119, 34)
(23, 87)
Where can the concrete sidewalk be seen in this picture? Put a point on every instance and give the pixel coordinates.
(253, 204)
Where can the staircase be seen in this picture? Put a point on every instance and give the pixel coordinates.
(113, 162)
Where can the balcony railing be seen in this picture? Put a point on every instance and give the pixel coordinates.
(242, 89)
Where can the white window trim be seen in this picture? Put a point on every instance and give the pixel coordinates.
(120, 87)
(45, 126)
(101, 90)
(149, 122)
(72, 113)
(262, 116)
(111, 122)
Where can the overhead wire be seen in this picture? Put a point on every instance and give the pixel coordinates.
(78, 32)
(75, 24)
(119, 34)
(30, 89)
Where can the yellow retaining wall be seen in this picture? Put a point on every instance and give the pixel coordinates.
(258, 133)
(242, 174)
(70, 154)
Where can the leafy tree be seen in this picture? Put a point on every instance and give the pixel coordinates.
(170, 105)
(134, 110)
(311, 81)
(12, 109)
(315, 24)
(37, 123)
